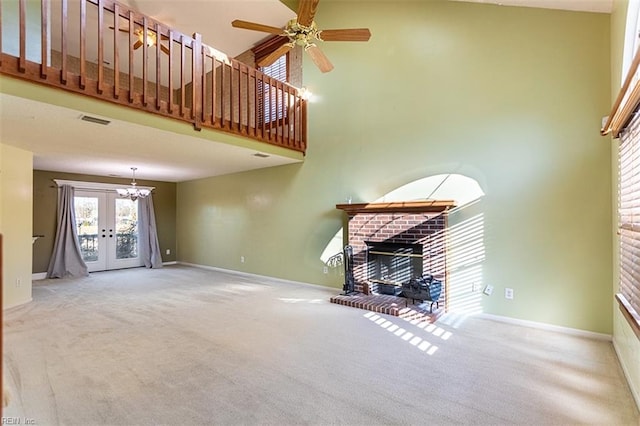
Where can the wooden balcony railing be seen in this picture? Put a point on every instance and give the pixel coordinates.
(103, 49)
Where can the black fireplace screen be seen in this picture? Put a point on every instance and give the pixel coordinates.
(393, 262)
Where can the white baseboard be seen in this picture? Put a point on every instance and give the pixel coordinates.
(248, 274)
(38, 276)
(634, 391)
(6, 308)
(549, 327)
(169, 263)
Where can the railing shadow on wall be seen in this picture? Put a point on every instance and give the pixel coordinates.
(103, 49)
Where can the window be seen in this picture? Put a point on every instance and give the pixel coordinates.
(629, 216)
(271, 102)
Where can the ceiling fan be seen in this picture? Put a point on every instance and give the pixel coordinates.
(152, 38)
(303, 31)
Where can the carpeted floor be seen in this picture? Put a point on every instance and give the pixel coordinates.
(188, 346)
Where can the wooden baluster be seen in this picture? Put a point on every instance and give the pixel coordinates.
(248, 95)
(196, 78)
(213, 90)
(231, 96)
(262, 107)
(145, 61)
(22, 60)
(116, 51)
(170, 72)
(158, 60)
(296, 103)
(83, 43)
(183, 84)
(203, 93)
(64, 17)
(44, 41)
(239, 127)
(132, 28)
(287, 118)
(101, 46)
(256, 75)
(278, 111)
(269, 114)
(223, 102)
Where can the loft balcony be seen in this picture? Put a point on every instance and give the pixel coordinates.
(105, 50)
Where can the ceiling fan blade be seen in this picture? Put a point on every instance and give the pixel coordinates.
(256, 27)
(306, 12)
(137, 44)
(353, 34)
(164, 48)
(273, 56)
(319, 58)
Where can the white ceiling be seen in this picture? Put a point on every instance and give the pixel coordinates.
(62, 142)
(601, 6)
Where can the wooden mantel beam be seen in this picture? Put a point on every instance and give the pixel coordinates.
(434, 206)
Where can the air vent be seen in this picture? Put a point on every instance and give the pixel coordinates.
(94, 120)
(261, 155)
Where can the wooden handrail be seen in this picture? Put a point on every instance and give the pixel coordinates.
(197, 84)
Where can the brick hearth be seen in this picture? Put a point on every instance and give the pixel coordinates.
(390, 305)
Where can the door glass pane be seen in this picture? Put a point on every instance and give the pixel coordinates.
(126, 229)
(86, 209)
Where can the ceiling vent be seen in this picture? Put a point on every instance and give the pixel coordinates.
(261, 155)
(94, 120)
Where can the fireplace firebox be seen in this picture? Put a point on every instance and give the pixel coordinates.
(390, 264)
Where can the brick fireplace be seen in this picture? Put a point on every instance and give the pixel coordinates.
(394, 242)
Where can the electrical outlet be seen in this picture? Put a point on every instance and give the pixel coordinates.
(18, 282)
(508, 293)
(488, 290)
(168, 251)
(241, 259)
(325, 270)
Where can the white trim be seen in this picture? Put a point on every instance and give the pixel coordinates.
(97, 186)
(548, 327)
(169, 263)
(38, 276)
(627, 375)
(6, 308)
(247, 274)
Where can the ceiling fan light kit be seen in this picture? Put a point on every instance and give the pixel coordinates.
(303, 32)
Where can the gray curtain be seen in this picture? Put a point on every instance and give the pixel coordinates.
(67, 257)
(148, 234)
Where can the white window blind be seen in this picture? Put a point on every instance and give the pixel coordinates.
(272, 101)
(629, 215)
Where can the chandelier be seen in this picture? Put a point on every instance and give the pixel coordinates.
(133, 192)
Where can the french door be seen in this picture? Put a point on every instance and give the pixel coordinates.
(107, 228)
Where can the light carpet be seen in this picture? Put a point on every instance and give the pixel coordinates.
(189, 346)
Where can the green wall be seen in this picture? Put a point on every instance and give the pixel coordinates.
(45, 201)
(511, 97)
